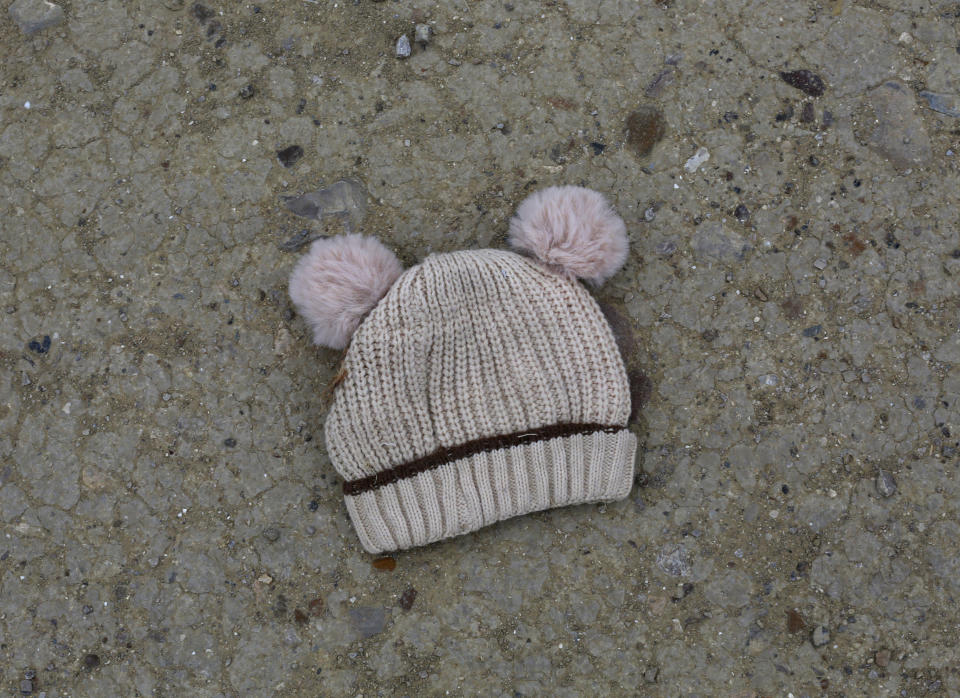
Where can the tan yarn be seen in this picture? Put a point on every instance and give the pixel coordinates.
(465, 348)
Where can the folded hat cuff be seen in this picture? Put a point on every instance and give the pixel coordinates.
(469, 493)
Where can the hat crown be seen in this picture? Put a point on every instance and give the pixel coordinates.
(467, 346)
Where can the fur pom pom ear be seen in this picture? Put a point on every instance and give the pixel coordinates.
(573, 230)
(338, 282)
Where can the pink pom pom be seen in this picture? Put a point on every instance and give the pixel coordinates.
(338, 282)
(572, 230)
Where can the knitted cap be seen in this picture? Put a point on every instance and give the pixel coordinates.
(483, 385)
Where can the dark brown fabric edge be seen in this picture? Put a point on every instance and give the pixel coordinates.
(470, 448)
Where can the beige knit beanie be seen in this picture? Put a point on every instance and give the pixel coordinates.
(478, 385)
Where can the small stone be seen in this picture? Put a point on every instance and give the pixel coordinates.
(289, 156)
(271, 534)
(40, 347)
(403, 47)
(760, 295)
(697, 159)
(87, 610)
(742, 213)
(265, 579)
(820, 636)
(30, 674)
(35, 15)
(407, 598)
(805, 81)
(368, 620)
(385, 564)
(886, 485)
(650, 675)
(345, 198)
(945, 104)
(806, 113)
(650, 214)
(229, 442)
(247, 91)
(290, 637)
(26, 687)
(882, 658)
(785, 115)
(646, 127)
(421, 34)
(795, 622)
(812, 331)
(91, 661)
(820, 264)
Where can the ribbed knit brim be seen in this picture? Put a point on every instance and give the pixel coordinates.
(467, 494)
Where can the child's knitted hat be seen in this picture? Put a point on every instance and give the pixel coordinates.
(477, 385)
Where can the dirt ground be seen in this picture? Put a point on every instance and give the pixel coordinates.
(170, 524)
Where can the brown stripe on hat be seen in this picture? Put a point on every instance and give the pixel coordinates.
(455, 453)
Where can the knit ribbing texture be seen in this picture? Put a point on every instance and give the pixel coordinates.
(467, 347)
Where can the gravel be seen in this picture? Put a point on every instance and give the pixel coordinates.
(290, 155)
(403, 47)
(368, 620)
(804, 80)
(421, 34)
(886, 484)
(697, 159)
(346, 198)
(820, 636)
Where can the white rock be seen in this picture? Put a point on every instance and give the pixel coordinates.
(699, 157)
(403, 47)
